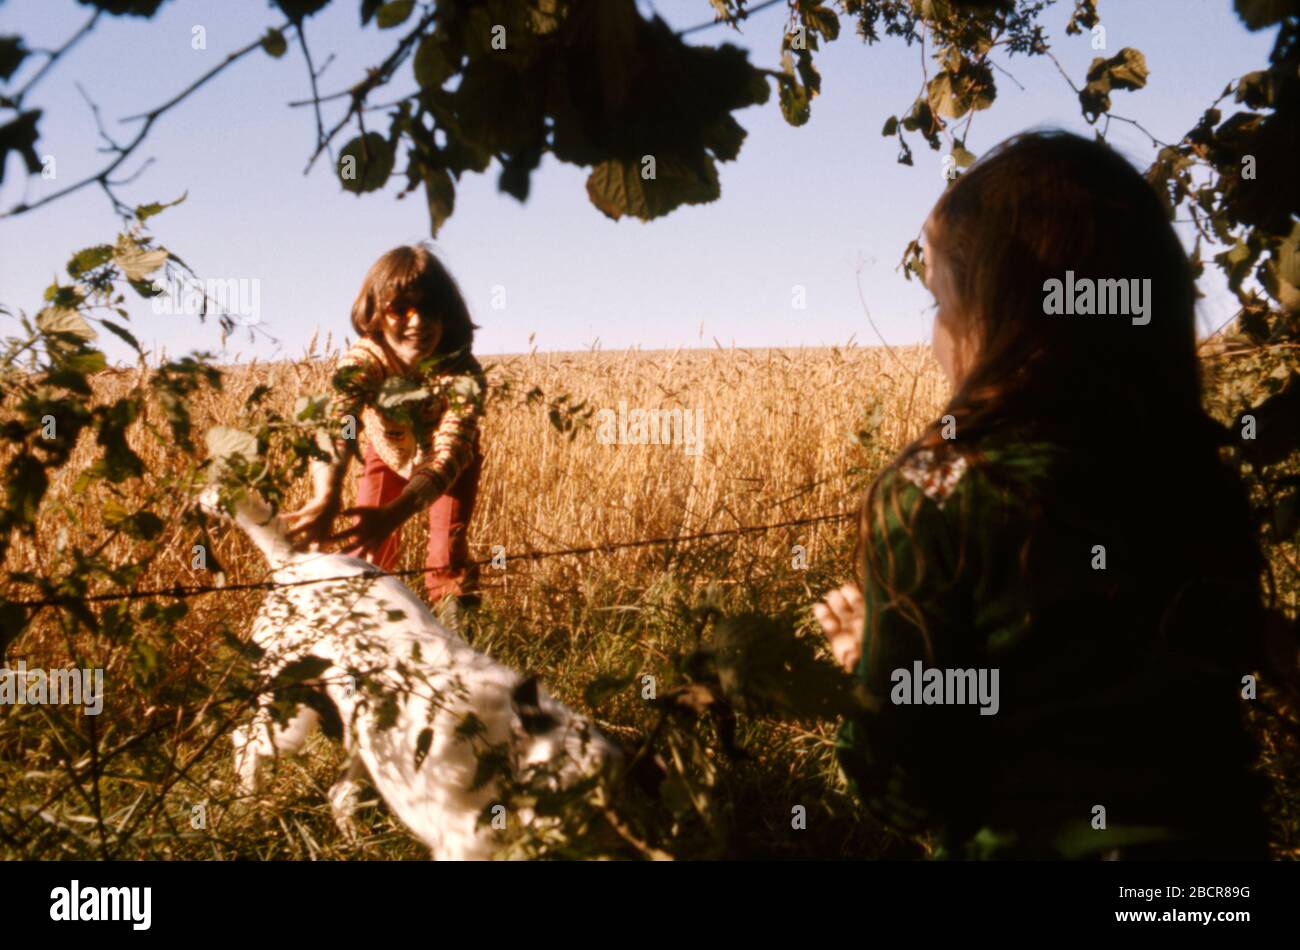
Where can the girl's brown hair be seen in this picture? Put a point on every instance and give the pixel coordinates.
(1124, 398)
(411, 276)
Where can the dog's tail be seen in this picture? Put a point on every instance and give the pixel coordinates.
(263, 527)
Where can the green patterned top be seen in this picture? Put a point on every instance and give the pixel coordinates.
(1107, 697)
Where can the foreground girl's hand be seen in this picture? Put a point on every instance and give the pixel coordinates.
(373, 526)
(843, 618)
(312, 523)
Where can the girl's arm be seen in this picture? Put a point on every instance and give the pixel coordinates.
(452, 452)
(454, 444)
(354, 383)
(902, 759)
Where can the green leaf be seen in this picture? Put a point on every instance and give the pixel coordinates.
(20, 136)
(58, 320)
(122, 333)
(306, 407)
(796, 106)
(365, 163)
(963, 158)
(394, 13)
(274, 43)
(1258, 14)
(89, 258)
(296, 10)
(618, 188)
(137, 262)
(12, 53)
(440, 191)
(1128, 69)
(434, 61)
(141, 8)
(146, 211)
(891, 126)
(224, 442)
(823, 21)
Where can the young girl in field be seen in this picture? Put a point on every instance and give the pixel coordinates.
(414, 389)
(1068, 524)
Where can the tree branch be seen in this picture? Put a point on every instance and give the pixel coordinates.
(54, 58)
(124, 151)
(375, 77)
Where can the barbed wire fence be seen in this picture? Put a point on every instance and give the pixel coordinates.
(195, 590)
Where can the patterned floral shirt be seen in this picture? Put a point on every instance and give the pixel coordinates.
(423, 425)
(1104, 696)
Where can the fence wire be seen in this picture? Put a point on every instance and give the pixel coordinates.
(181, 591)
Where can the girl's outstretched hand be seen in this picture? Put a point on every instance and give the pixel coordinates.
(312, 523)
(843, 618)
(373, 525)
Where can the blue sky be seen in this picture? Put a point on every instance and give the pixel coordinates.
(823, 206)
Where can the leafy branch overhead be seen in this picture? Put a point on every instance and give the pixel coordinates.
(590, 82)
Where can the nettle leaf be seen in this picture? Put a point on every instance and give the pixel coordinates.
(225, 442)
(365, 163)
(618, 188)
(136, 262)
(122, 333)
(12, 53)
(141, 525)
(396, 395)
(58, 320)
(306, 407)
(89, 258)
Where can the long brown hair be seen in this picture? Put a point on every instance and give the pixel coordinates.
(1114, 393)
(412, 276)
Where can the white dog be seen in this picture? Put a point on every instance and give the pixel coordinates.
(436, 724)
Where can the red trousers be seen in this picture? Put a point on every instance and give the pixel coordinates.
(448, 569)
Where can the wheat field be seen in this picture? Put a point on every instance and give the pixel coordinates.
(782, 435)
(778, 442)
